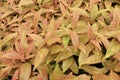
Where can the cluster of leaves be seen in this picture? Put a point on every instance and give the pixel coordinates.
(59, 40)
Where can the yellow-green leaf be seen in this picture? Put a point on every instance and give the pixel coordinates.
(67, 63)
(40, 57)
(94, 12)
(7, 38)
(56, 49)
(25, 3)
(65, 41)
(25, 71)
(113, 48)
(77, 3)
(74, 67)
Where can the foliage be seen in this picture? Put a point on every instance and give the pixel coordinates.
(59, 40)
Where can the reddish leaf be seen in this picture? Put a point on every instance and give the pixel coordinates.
(96, 43)
(12, 55)
(100, 77)
(15, 75)
(75, 38)
(117, 55)
(113, 76)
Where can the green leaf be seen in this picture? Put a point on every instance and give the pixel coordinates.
(67, 63)
(77, 3)
(63, 55)
(94, 12)
(113, 48)
(65, 41)
(56, 49)
(74, 67)
(7, 38)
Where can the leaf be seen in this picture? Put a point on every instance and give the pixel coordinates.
(113, 76)
(4, 72)
(51, 26)
(34, 78)
(96, 44)
(100, 77)
(24, 42)
(38, 40)
(7, 38)
(67, 63)
(94, 12)
(62, 8)
(57, 73)
(63, 55)
(39, 2)
(6, 14)
(116, 19)
(53, 40)
(108, 4)
(77, 3)
(75, 38)
(117, 67)
(25, 3)
(12, 55)
(42, 69)
(84, 38)
(82, 57)
(74, 67)
(65, 41)
(111, 33)
(60, 33)
(92, 60)
(56, 49)
(92, 2)
(82, 48)
(40, 57)
(84, 77)
(81, 27)
(93, 70)
(25, 71)
(90, 31)
(15, 75)
(70, 76)
(74, 19)
(112, 49)
(80, 11)
(117, 55)
(28, 15)
(106, 16)
(103, 39)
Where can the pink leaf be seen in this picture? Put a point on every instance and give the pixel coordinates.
(15, 75)
(75, 38)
